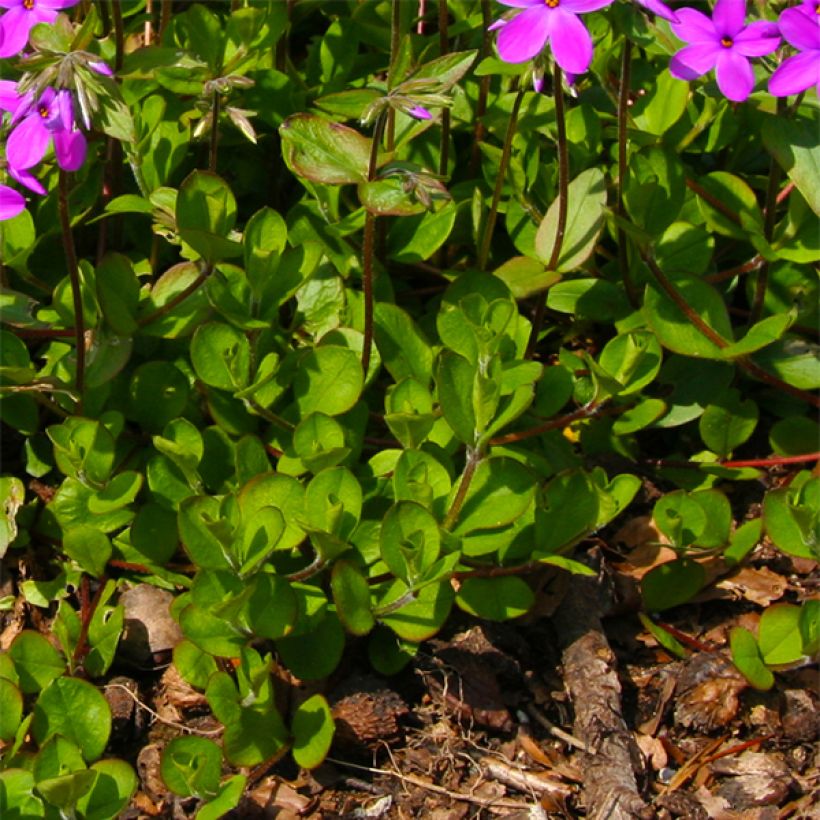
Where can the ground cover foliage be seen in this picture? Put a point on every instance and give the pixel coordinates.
(347, 346)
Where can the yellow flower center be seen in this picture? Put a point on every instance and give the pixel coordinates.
(727, 42)
(552, 3)
(28, 4)
(43, 112)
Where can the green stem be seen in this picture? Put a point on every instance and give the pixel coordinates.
(770, 216)
(489, 226)
(395, 42)
(623, 140)
(368, 248)
(474, 458)
(213, 143)
(119, 35)
(444, 47)
(483, 91)
(76, 286)
(563, 200)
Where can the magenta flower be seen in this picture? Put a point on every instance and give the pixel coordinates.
(800, 26)
(656, 7)
(11, 203)
(553, 21)
(51, 118)
(21, 17)
(724, 43)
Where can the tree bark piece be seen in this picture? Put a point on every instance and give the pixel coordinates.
(590, 676)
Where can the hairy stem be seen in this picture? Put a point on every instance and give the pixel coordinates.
(489, 226)
(444, 47)
(483, 91)
(563, 201)
(623, 110)
(474, 458)
(770, 216)
(76, 286)
(368, 248)
(213, 143)
(395, 42)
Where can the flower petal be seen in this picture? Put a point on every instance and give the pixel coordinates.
(694, 60)
(27, 179)
(694, 27)
(729, 17)
(796, 74)
(70, 148)
(656, 7)
(524, 36)
(584, 6)
(520, 4)
(798, 31)
(57, 4)
(15, 25)
(735, 77)
(570, 42)
(757, 39)
(27, 143)
(11, 202)
(9, 98)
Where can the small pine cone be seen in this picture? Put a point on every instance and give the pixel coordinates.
(364, 720)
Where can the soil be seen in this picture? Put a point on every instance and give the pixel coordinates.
(574, 711)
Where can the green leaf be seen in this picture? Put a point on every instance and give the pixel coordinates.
(313, 730)
(194, 665)
(196, 518)
(220, 355)
(324, 151)
(454, 383)
(403, 347)
(791, 521)
(111, 792)
(36, 661)
(674, 329)
(158, 393)
(792, 142)
(680, 518)
(319, 442)
(496, 599)
(416, 238)
(314, 655)
(568, 511)
(118, 291)
(779, 636)
(227, 798)
(258, 735)
(76, 710)
(388, 197)
(18, 798)
(211, 633)
(271, 608)
(205, 203)
(718, 517)
(352, 598)
(735, 196)
(664, 638)
(744, 539)
(89, 547)
(671, 584)
(746, 657)
(585, 219)
(329, 379)
(663, 104)
(525, 276)
(409, 540)
(263, 241)
(424, 613)
(810, 627)
(634, 359)
(11, 709)
(12, 495)
(333, 502)
(191, 766)
(728, 422)
(595, 299)
(760, 335)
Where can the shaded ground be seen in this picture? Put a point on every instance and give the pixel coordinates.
(527, 719)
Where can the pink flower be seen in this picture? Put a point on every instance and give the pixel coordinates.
(800, 27)
(51, 118)
(553, 21)
(723, 42)
(21, 17)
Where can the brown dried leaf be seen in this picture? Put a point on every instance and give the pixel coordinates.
(707, 692)
(759, 585)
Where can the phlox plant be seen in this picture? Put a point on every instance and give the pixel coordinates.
(331, 319)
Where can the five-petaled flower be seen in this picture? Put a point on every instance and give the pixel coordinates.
(21, 17)
(800, 27)
(51, 117)
(553, 21)
(723, 42)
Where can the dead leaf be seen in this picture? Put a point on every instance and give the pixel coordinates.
(759, 585)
